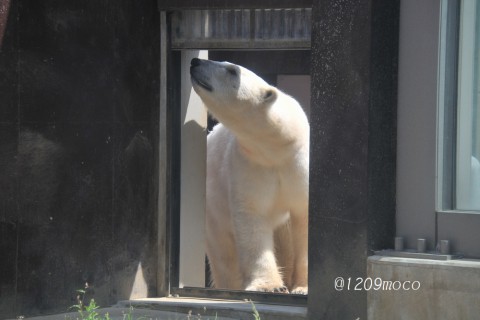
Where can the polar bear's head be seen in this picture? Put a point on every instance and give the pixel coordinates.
(268, 123)
(229, 90)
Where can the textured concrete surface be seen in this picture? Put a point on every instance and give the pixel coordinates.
(353, 145)
(121, 314)
(211, 308)
(190, 308)
(448, 289)
(79, 148)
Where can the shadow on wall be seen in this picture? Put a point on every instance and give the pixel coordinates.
(78, 153)
(67, 222)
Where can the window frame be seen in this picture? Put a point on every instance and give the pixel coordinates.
(170, 205)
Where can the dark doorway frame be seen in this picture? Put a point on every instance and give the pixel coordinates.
(353, 147)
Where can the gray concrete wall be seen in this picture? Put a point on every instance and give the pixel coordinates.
(417, 114)
(447, 289)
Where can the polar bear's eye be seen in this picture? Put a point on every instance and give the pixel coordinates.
(268, 94)
(232, 71)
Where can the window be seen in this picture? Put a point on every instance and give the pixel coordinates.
(438, 126)
(468, 134)
(459, 121)
(458, 194)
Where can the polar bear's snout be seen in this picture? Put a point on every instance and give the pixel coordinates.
(199, 75)
(195, 62)
(215, 76)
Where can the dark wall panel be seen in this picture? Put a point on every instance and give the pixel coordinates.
(79, 134)
(353, 143)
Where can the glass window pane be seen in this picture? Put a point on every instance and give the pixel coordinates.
(467, 188)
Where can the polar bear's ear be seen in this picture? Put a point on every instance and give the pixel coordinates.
(269, 95)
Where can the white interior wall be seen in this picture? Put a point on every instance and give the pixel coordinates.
(192, 178)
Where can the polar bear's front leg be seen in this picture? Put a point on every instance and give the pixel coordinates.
(256, 256)
(299, 225)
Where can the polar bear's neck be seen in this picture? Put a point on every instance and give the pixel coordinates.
(269, 135)
(271, 141)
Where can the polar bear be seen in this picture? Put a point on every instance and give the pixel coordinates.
(257, 181)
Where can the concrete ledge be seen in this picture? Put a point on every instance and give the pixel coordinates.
(118, 313)
(211, 308)
(180, 308)
(190, 308)
(447, 289)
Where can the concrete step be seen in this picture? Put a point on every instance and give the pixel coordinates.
(120, 313)
(180, 308)
(222, 309)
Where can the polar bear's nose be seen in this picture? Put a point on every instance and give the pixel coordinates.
(195, 62)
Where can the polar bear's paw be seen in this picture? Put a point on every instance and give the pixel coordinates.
(300, 290)
(282, 289)
(267, 286)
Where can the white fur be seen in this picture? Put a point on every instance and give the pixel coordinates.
(257, 181)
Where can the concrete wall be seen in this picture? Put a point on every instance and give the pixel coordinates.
(78, 141)
(352, 148)
(448, 289)
(417, 104)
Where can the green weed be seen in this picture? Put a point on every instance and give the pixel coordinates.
(256, 315)
(90, 311)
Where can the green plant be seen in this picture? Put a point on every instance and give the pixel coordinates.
(90, 311)
(129, 315)
(87, 311)
(256, 315)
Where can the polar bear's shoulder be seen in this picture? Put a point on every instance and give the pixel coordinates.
(219, 139)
